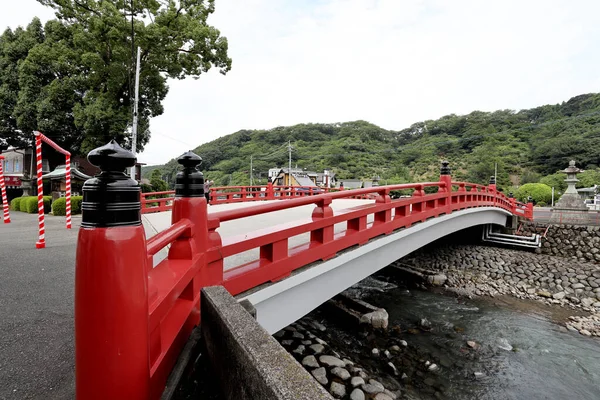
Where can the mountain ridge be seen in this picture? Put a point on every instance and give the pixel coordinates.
(525, 144)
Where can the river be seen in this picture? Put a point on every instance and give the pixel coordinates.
(522, 352)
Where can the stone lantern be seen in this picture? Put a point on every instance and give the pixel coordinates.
(570, 206)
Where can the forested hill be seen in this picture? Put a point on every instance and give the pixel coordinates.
(527, 145)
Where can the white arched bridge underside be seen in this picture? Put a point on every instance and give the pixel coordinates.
(281, 303)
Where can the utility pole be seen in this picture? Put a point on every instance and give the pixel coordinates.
(250, 170)
(496, 172)
(552, 196)
(290, 162)
(135, 110)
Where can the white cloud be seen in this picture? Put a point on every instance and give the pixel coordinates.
(389, 62)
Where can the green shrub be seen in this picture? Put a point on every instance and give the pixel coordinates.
(15, 204)
(76, 204)
(538, 191)
(146, 188)
(59, 207)
(25, 202)
(29, 204)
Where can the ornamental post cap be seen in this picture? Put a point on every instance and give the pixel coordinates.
(111, 157)
(190, 181)
(111, 198)
(492, 180)
(189, 160)
(445, 169)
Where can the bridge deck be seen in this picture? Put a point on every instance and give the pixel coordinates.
(157, 222)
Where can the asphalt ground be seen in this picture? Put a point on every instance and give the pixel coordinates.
(36, 309)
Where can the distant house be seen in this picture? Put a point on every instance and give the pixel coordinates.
(295, 177)
(351, 183)
(58, 184)
(588, 193)
(359, 183)
(326, 179)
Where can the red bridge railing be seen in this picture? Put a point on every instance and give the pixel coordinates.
(163, 201)
(133, 318)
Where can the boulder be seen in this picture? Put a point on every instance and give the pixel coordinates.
(337, 390)
(320, 374)
(378, 319)
(357, 394)
(310, 361)
(341, 373)
(559, 295)
(330, 361)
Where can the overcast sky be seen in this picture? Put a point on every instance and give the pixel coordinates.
(389, 62)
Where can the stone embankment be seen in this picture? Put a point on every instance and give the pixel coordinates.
(580, 243)
(336, 372)
(481, 270)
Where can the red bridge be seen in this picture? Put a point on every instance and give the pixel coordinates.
(132, 317)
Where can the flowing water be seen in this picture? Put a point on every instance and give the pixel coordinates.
(522, 354)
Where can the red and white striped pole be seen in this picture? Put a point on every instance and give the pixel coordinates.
(3, 190)
(41, 243)
(68, 189)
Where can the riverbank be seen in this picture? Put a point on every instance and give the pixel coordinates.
(446, 347)
(470, 270)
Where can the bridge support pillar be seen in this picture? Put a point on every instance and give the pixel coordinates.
(111, 299)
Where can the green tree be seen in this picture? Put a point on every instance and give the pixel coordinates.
(157, 183)
(588, 178)
(538, 191)
(556, 181)
(75, 77)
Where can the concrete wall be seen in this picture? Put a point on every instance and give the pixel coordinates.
(249, 362)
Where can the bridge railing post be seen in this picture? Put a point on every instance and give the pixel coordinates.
(492, 188)
(529, 209)
(385, 216)
(190, 203)
(323, 210)
(270, 191)
(446, 178)
(111, 300)
(511, 199)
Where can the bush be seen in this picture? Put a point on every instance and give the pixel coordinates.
(59, 207)
(146, 188)
(76, 204)
(29, 204)
(24, 202)
(540, 193)
(15, 204)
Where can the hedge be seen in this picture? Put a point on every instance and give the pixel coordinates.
(59, 207)
(15, 204)
(29, 204)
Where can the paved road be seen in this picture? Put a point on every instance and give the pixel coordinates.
(36, 309)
